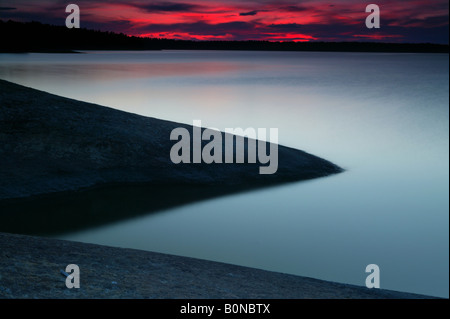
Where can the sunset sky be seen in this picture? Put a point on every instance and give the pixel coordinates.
(285, 20)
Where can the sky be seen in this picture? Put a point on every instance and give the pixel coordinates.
(416, 21)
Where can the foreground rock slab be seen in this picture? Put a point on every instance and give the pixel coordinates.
(30, 267)
(51, 144)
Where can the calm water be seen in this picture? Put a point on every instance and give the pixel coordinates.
(382, 117)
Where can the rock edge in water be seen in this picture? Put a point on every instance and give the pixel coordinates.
(30, 267)
(51, 144)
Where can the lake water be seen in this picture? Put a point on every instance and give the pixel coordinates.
(382, 117)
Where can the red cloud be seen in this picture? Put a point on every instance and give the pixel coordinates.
(287, 20)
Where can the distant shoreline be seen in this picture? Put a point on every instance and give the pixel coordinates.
(409, 48)
(218, 50)
(38, 37)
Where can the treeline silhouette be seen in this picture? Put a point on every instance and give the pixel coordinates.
(38, 37)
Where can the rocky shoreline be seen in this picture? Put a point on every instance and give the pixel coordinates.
(51, 144)
(52, 148)
(30, 267)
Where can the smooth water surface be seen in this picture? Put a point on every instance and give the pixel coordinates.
(382, 117)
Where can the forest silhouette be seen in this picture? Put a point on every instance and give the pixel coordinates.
(38, 37)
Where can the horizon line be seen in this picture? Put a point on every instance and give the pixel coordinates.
(368, 41)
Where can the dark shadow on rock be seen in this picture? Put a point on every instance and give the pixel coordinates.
(73, 211)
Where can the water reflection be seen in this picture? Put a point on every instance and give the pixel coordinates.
(76, 211)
